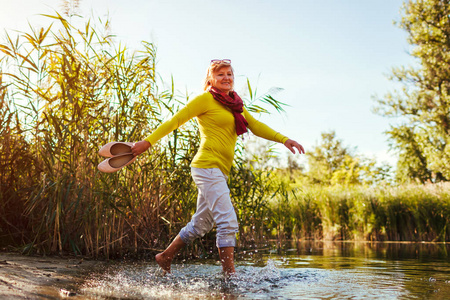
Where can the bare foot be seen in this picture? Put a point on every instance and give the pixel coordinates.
(163, 261)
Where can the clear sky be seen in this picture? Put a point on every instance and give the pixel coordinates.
(330, 56)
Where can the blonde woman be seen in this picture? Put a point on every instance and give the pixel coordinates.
(222, 118)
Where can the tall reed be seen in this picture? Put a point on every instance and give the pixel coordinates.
(74, 91)
(402, 213)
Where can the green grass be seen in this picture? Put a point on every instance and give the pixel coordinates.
(382, 213)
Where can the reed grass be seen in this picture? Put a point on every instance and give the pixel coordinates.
(69, 91)
(382, 213)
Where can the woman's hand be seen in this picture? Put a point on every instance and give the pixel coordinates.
(292, 145)
(140, 147)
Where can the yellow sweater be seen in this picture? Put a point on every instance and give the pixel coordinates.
(217, 131)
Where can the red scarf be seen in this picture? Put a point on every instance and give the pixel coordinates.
(235, 103)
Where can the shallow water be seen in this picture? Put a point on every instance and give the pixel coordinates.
(302, 271)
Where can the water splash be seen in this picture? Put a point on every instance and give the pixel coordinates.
(270, 281)
(201, 281)
(147, 282)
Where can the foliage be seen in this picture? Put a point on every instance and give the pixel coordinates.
(423, 106)
(382, 213)
(331, 163)
(74, 90)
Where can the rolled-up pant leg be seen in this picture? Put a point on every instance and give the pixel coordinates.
(213, 206)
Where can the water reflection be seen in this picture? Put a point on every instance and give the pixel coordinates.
(302, 271)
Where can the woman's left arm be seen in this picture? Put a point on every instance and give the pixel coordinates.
(262, 130)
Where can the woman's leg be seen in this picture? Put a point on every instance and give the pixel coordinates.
(164, 259)
(226, 255)
(213, 206)
(201, 223)
(212, 184)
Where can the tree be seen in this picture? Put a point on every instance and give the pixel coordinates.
(326, 158)
(331, 163)
(422, 137)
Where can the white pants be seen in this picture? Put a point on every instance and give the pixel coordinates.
(213, 207)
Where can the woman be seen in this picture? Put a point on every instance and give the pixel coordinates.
(221, 118)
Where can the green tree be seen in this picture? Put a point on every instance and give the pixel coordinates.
(326, 158)
(423, 106)
(331, 163)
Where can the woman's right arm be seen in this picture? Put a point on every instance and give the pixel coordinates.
(193, 108)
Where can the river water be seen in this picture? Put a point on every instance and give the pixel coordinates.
(302, 270)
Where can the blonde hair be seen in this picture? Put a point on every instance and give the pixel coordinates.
(211, 70)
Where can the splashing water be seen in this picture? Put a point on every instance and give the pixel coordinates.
(204, 281)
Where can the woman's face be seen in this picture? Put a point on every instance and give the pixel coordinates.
(223, 79)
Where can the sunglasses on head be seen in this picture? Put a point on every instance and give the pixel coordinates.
(221, 61)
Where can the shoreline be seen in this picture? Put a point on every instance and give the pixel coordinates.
(39, 277)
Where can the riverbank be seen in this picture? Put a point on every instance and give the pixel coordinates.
(37, 277)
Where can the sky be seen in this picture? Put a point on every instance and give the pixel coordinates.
(331, 57)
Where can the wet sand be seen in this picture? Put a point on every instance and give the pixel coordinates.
(37, 277)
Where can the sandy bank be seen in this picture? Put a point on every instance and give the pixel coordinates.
(33, 277)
